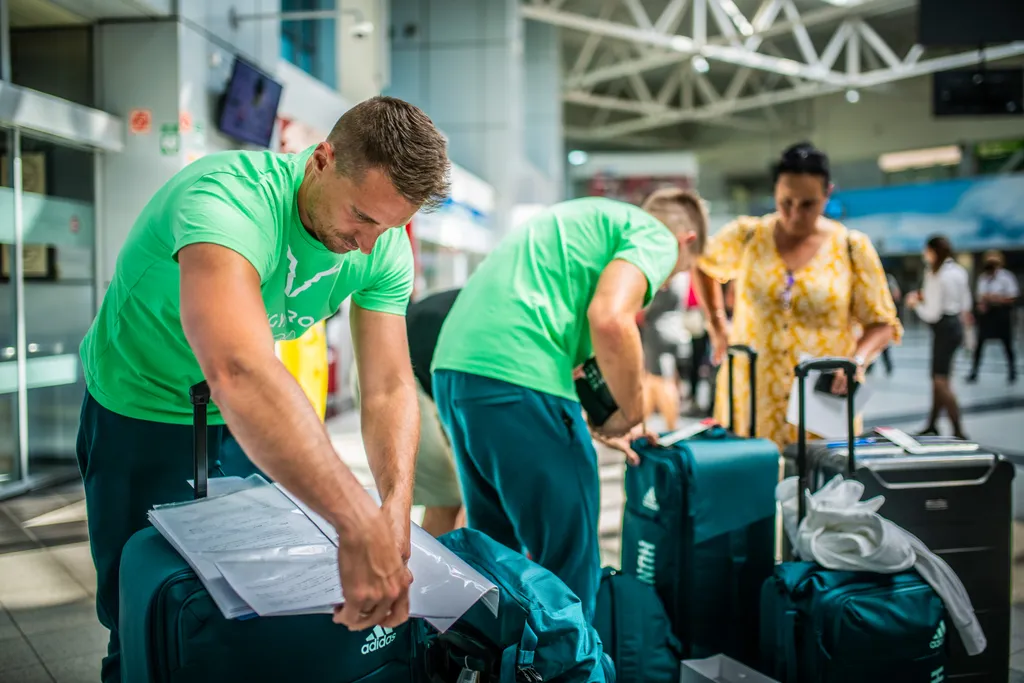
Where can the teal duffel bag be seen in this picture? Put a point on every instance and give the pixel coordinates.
(172, 632)
(825, 626)
(635, 630)
(540, 633)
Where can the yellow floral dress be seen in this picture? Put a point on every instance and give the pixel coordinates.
(842, 288)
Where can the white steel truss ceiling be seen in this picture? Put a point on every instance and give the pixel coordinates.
(623, 41)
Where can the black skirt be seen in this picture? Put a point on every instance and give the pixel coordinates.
(947, 336)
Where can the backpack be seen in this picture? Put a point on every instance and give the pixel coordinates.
(540, 633)
(636, 631)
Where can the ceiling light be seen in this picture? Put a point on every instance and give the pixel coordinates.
(700, 65)
(950, 155)
(578, 157)
(852, 96)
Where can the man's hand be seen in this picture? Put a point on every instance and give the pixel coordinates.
(624, 444)
(374, 577)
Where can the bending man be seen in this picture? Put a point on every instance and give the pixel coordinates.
(237, 250)
(565, 286)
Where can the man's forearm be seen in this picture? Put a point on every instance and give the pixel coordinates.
(619, 354)
(391, 432)
(272, 419)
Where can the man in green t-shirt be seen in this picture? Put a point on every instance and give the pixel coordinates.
(565, 286)
(237, 250)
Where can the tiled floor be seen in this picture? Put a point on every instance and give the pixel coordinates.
(48, 627)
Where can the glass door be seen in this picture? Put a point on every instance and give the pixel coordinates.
(58, 195)
(10, 469)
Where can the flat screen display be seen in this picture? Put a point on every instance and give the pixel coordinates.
(249, 108)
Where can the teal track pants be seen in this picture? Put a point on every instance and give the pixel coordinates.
(528, 472)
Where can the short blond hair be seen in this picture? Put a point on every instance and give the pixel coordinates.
(680, 208)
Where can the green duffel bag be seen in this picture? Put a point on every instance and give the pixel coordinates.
(824, 626)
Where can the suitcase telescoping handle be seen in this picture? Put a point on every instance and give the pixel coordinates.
(199, 394)
(751, 353)
(802, 370)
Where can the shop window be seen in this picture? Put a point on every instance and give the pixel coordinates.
(309, 43)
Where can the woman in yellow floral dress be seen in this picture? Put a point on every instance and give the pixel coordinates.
(803, 285)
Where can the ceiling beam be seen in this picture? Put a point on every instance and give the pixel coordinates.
(726, 107)
(726, 53)
(764, 25)
(658, 109)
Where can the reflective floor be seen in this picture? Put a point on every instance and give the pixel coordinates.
(48, 627)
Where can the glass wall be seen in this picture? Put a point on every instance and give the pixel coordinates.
(9, 470)
(59, 239)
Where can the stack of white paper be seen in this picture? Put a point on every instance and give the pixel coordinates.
(259, 550)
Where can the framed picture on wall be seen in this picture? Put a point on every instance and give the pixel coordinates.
(40, 262)
(33, 172)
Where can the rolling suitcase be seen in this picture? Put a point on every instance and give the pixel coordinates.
(171, 630)
(699, 525)
(824, 626)
(956, 497)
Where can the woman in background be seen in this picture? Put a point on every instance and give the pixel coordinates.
(943, 302)
(801, 282)
(997, 292)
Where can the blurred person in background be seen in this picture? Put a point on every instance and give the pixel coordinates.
(661, 334)
(803, 284)
(435, 483)
(996, 295)
(944, 302)
(561, 289)
(700, 357)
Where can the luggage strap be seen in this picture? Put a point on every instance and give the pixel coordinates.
(790, 662)
(517, 660)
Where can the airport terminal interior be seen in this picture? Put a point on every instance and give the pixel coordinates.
(914, 113)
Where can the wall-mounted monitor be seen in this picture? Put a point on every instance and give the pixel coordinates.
(248, 109)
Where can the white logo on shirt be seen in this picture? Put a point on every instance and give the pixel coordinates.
(281, 320)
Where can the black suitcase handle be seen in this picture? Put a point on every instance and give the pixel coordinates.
(751, 353)
(199, 394)
(801, 372)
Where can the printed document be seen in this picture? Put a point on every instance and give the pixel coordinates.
(259, 550)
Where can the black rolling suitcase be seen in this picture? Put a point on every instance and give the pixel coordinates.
(956, 497)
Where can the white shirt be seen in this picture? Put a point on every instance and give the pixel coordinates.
(947, 292)
(1000, 283)
(840, 531)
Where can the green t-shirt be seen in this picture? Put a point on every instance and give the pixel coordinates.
(136, 359)
(522, 316)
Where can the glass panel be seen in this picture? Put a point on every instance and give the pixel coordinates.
(8, 324)
(59, 295)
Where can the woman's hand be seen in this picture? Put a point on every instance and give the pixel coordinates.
(913, 299)
(840, 383)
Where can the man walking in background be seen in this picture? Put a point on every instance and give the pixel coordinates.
(563, 287)
(237, 250)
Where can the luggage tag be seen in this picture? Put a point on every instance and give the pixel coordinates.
(688, 432)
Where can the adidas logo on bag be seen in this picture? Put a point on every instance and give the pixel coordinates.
(380, 638)
(650, 501)
(940, 636)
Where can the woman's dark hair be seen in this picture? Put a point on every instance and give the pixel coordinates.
(803, 158)
(942, 249)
